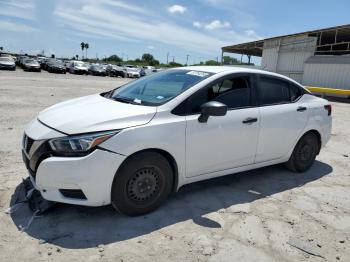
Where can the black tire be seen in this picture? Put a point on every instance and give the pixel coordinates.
(142, 184)
(304, 153)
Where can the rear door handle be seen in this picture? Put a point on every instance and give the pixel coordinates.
(249, 120)
(301, 108)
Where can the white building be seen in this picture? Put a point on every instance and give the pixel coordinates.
(316, 58)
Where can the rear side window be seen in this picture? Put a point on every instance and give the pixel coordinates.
(295, 92)
(273, 91)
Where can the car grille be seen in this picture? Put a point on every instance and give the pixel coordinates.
(34, 152)
(27, 143)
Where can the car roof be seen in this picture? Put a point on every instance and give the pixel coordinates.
(233, 69)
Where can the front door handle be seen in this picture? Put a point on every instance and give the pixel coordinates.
(249, 120)
(301, 108)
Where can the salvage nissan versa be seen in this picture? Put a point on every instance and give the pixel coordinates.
(132, 146)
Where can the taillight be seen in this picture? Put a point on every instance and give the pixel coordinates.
(329, 109)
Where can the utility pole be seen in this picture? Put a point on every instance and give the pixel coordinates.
(173, 58)
(167, 58)
(187, 59)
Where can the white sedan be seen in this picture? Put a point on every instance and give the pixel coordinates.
(133, 72)
(134, 145)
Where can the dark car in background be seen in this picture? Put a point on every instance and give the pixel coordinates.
(97, 70)
(56, 66)
(45, 63)
(30, 64)
(115, 71)
(7, 63)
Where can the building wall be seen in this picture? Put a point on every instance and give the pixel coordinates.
(287, 55)
(329, 71)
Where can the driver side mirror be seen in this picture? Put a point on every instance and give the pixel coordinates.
(212, 108)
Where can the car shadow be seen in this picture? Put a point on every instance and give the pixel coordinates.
(78, 227)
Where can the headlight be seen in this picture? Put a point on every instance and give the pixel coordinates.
(79, 145)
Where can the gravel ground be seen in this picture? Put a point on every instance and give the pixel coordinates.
(269, 214)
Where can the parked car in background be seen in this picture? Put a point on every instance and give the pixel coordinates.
(67, 64)
(133, 72)
(142, 72)
(40, 59)
(115, 71)
(20, 59)
(78, 67)
(45, 62)
(149, 70)
(134, 145)
(7, 63)
(56, 66)
(97, 70)
(30, 64)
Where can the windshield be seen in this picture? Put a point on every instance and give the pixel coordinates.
(30, 61)
(157, 89)
(96, 67)
(79, 64)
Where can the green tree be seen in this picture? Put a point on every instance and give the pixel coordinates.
(174, 64)
(114, 59)
(147, 57)
(227, 60)
(211, 62)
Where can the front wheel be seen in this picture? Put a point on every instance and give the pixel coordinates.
(142, 184)
(304, 153)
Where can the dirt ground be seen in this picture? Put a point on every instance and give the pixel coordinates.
(269, 214)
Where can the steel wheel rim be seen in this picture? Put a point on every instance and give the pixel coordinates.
(144, 185)
(306, 152)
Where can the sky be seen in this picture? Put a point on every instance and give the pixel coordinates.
(164, 28)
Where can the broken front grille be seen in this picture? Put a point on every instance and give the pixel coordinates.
(27, 143)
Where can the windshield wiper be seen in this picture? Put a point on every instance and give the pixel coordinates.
(125, 100)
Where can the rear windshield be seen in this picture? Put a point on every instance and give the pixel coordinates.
(157, 89)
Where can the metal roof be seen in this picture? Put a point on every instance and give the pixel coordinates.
(255, 48)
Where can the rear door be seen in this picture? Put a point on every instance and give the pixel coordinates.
(284, 116)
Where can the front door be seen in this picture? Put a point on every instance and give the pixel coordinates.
(222, 142)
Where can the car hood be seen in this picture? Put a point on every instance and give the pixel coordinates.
(8, 63)
(95, 113)
(58, 66)
(31, 64)
(80, 68)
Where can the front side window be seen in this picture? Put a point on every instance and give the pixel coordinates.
(273, 91)
(159, 88)
(235, 92)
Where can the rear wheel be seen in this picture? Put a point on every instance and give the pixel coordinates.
(304, 153)
(142, 184)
